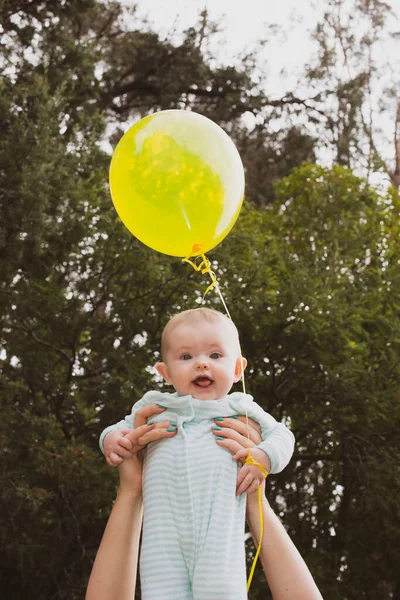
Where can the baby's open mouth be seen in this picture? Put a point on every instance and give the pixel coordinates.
(203, 381)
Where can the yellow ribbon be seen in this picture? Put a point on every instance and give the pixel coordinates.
(205, 267)
(261, 516)
(250, 461)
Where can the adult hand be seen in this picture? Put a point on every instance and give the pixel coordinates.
(144, 432)
(152, 433)
(238, 433)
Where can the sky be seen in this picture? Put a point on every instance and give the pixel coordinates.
(282, 59)
(243, 25)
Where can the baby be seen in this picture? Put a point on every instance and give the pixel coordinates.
(193, 527)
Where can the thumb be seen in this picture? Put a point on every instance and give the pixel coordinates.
(125, 430)
(243, 453)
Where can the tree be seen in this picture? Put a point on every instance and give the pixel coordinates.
(355, 85)
(78, 296)
(317, 307)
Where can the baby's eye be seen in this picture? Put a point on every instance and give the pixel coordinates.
(215, 355)
(186, 357)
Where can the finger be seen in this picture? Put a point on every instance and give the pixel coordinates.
(165, 424)
(229, 433)
(124, 453)
(253, 487)
(242, 487)
(232, 445)
(147, 411)
(135, 434)
(255, 496)
(115, 459)
(239, 425)
(252, 423)
(244, 471)
(154, 435)
(125, 430)
(241, 454)
(125, 442)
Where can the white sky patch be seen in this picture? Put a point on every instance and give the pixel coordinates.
(242, 26)
(277, 35)
(140, 338)
(155, 376)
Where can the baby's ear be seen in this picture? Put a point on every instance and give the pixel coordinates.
(162, 370)
(240, 366)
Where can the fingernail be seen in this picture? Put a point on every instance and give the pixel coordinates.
(216, 428)
(219, 419)
(234, 416)
(170, 429)
(150, 422)
(219, 437)
(173, 422)
(160, 406)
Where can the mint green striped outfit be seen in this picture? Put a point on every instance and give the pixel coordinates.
(193, 527)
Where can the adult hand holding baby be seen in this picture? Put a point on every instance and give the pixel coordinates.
(239, 434)
(125, 443)
(114, 571)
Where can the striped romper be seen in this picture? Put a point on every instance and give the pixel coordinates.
(193, 526)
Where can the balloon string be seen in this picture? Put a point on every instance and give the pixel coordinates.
(250, 461)
(261, 516)
(205, 267)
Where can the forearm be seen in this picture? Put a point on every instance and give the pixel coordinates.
(286, 572)
(113, 575)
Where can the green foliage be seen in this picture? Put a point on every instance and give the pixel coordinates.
(268, 156)
(317, 304)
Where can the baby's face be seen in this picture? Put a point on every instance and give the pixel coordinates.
(202, 359)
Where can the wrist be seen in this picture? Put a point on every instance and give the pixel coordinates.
(262, 458)
(129, 493)
(253, 499)
(129, 503)
(265, 460)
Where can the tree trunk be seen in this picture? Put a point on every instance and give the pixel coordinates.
(395, 174)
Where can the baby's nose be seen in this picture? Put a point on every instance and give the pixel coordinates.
(202, 363)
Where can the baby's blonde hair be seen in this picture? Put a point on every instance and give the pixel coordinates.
(194, 315)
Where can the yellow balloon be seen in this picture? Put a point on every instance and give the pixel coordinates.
(177, 182)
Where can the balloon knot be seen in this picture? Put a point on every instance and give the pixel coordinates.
(204, 267)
